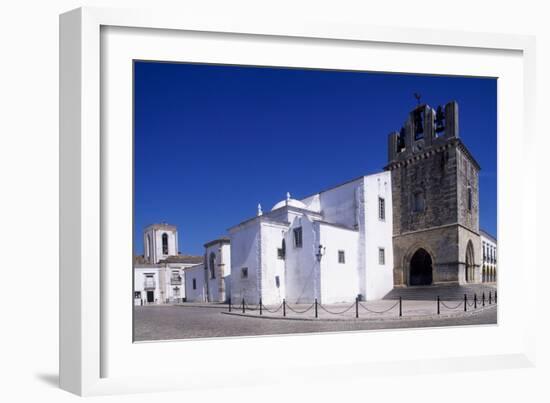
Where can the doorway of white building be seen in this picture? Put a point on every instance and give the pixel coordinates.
(150, 296)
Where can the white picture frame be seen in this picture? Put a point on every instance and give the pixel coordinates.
(87, 308)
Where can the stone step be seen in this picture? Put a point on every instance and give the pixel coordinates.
(445, 292)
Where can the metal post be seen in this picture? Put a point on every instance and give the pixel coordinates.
(465, 303)
(284, 307)
(475, 301)
(438, 305)
(316, 307)
(400, 307)
(229, 304)
(356, 307)
(483, 299)
(489, 297)
(260, 305)
(243, 305)
(495, 297)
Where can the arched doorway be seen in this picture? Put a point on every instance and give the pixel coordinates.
(421, 268)
(470, 266)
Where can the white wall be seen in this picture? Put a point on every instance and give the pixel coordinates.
(245, 252)
(378, 234)
(271, 239)
(339, 281)
(302, 268)
(222, 253)
(197, 294)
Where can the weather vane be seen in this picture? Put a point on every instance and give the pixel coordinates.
(417, 96)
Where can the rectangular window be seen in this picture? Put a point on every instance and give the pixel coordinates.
(277, 281)
(381, 256)
(244, 272)
(341, 256)
(381, 208)
(194, 284)
(298, 237)
(469, 198)
(137, 294)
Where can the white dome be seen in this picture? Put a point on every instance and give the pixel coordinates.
(289, 202)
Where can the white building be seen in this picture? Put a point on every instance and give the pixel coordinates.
(489, 254)
(159, 275)
(333, 246)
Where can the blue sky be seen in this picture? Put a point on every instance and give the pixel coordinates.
(211, 141)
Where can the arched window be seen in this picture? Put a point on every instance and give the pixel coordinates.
(212, 265)
(165, 243)
(148, 247)
(470, 265)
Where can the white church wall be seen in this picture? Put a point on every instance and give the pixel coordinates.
(195, 286)
(222, 253)
(245, 257)
(338, 204)
(273, 290)
(339, 281)
(313, 202)
(302, 268)
(378, 234)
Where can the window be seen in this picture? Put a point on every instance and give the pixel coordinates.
(418, 202)
(469, 198)
(212, 265)
(165, 243)
(194, 284)
(244, 272)
(381, 256)
(176, 292)
(137, 294)
(341, 256)
(381, 208)
(298, 237)
(277, 281)
(281, 252)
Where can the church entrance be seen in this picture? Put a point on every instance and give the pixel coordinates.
(421, 268)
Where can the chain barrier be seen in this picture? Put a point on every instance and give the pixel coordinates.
(272, 311)
(460, 304)
(379, 312)
(337, 313)
(299, 312)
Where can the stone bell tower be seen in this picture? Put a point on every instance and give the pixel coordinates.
(435, 200)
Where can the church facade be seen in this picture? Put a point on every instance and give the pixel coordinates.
(333, 246)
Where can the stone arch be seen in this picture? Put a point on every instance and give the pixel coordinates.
(406, 260)
(470, 263)
(420, 268)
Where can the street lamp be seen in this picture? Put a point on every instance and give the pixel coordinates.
(320, 252)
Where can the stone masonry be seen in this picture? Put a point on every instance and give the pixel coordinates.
(435, 200)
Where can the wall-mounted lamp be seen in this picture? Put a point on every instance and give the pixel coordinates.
(320, 252)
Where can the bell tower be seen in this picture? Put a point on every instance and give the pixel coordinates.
(159, 242)
(435, 200)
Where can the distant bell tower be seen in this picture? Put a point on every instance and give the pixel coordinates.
(435, 200)
(159, 242)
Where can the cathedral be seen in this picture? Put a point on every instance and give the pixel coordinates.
(415, 223)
